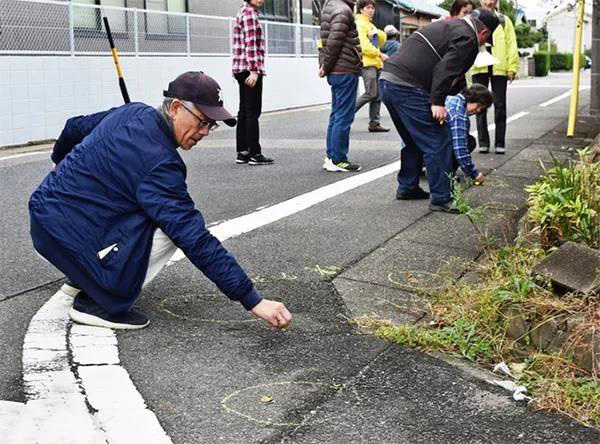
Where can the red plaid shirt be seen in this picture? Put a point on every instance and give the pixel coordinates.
(248, 42)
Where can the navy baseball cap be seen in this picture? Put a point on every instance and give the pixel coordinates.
(204, 92)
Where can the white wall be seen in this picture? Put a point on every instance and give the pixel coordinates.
(561, 29)
(38, 93)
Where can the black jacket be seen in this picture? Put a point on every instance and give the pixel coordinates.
(340, 52)
(416, 63)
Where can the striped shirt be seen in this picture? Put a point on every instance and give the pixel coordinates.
(248, 42)
(458, 118)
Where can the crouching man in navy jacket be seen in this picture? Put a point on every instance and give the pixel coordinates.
(116, 207)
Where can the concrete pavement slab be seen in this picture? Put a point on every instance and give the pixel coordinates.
(427, 401)
(385, 303)
(521, 168)
(409, 265)
(500, 192)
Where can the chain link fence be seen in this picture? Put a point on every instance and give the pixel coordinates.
(45, 27)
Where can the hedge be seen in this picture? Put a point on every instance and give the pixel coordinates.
(542, 63)
(564, 61)
(561, 61)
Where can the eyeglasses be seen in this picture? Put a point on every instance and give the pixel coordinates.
(211, 125)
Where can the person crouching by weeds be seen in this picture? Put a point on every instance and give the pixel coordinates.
(471, 101)
(116, 208)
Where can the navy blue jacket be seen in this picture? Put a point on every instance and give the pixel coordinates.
(124, 180)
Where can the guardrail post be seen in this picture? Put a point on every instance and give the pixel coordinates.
(266, 39)
(71, 30)
(136, 41)
(230, 37)
(187, 35)
(298, 42)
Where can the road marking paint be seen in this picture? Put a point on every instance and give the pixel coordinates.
(10, 413)
(521, 86)
(252, 221)
(33, 153)
(59, 388)
(492, 126)
(56, 409)
(561, 97)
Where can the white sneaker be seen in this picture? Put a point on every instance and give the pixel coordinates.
(327, 163)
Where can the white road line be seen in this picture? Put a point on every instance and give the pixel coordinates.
(516, 117)
(538, 86)
(33, 153)
(492, 126)
(561, 97)
(257, 219)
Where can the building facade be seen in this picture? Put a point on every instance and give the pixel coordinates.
(55, 60)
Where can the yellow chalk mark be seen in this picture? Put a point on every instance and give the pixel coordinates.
(500, 206)
(288, 277)
(413, 279)
(495, 182)
(229, 409)
(327, 270)
(258, 279)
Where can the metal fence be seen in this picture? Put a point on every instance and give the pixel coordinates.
(45, 27)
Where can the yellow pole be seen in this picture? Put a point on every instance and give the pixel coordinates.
(576, 71)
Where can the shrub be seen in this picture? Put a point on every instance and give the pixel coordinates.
(564, 61)
(565, 203)
(561, 61)
(542, 63)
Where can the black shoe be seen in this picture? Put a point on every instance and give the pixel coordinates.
(86, 311)
(242, 158)
(415, 194)
(378, 129)
(259, 159)
(447, 207)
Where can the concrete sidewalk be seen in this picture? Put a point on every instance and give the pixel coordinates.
(385, 285)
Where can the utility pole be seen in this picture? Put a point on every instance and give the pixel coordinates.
(595, 91)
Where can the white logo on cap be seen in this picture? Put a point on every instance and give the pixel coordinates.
(220, 95)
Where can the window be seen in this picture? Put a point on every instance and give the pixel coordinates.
(166, 24)
(277, 10)
(85, 17)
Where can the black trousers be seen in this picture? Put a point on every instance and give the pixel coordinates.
(499, 90)
(247, 132)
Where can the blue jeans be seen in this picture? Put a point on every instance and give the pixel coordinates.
(343, 102)
(424, 138)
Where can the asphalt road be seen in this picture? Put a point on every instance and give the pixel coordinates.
(202, 365)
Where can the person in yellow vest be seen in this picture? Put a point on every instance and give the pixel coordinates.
(504, 49)
(371, 39)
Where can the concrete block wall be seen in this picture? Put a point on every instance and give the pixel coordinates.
(38, 93)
